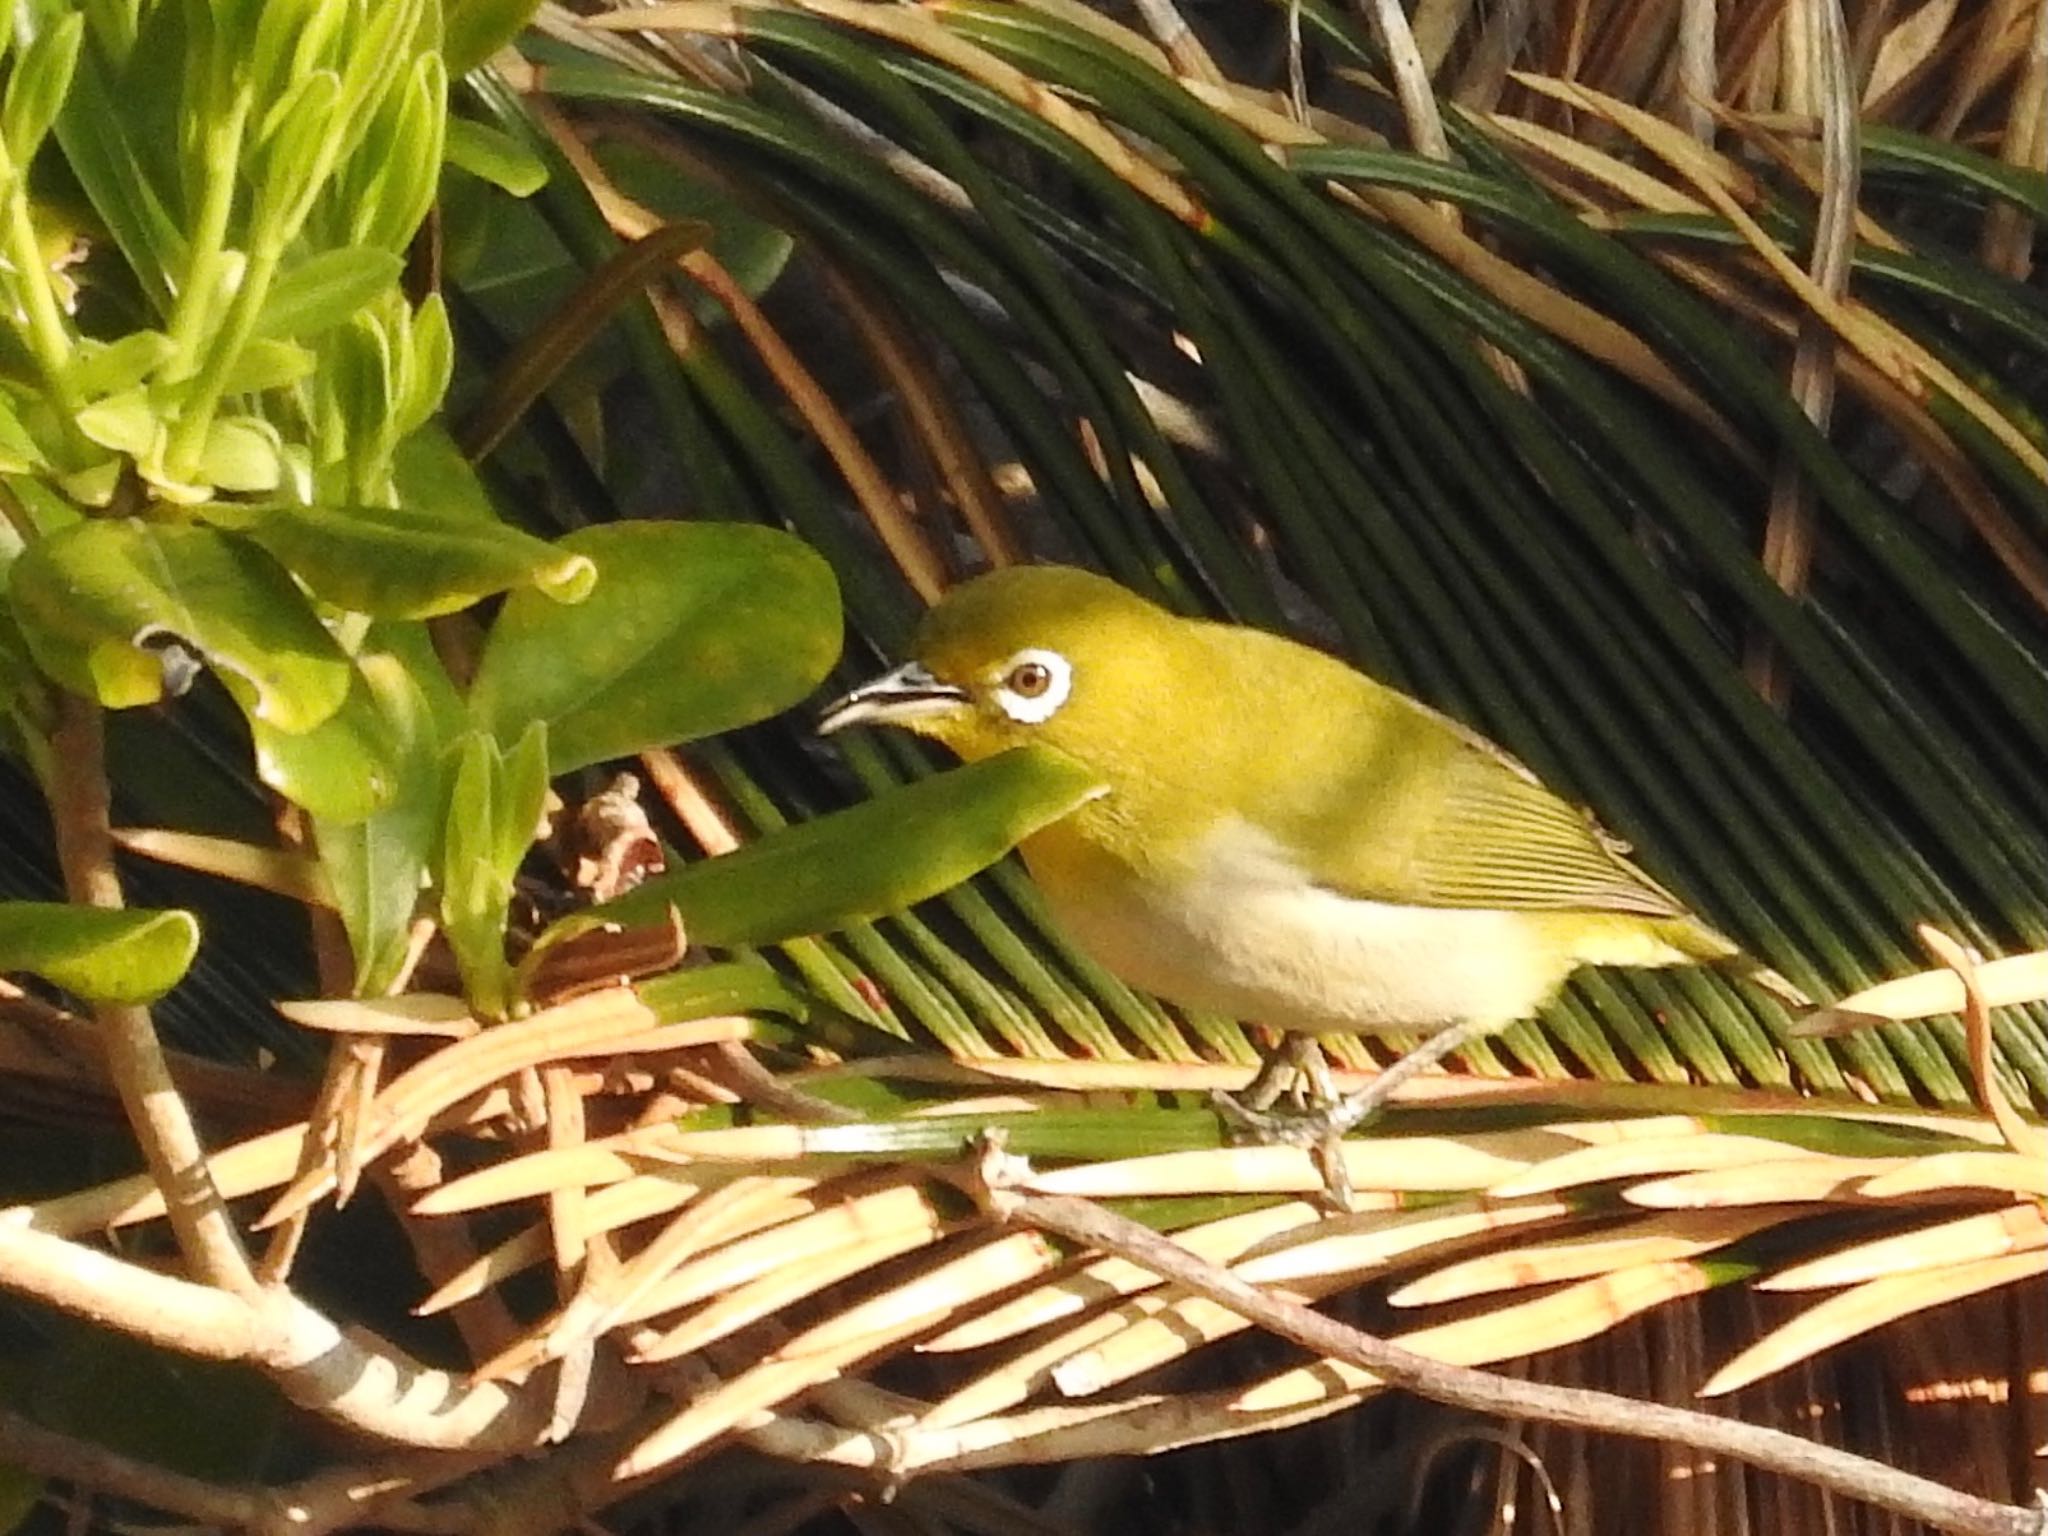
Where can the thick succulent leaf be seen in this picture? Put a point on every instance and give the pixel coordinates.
(395, 563)
(693, 628)
(325, 289)
(473, 30)
(129, 955)
(879, 857)
(376, 865)
(494, 810)
(495, 157)
(100, 603)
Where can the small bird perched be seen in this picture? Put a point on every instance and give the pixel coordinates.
(1283, 839)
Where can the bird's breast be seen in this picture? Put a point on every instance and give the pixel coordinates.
(1232, 923)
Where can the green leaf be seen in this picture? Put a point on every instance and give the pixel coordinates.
(291, 39)
(112, 367)
(97, 601)
(494, 810)
(433, 364)
(126, 423)
(473, 30)
(496, 157)
(129, 955)
(397, 563)
(870, 860)
(359, 372)
(103, 146)
(242, 453)
(296, 157)
(342, 769)
(323, 290)
(377, 865)
(406, 173)
(266, 363)
(693, 628)
(19, 451)
(36, 89)
(434, 478)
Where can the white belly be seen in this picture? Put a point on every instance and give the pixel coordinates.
(1246, 934)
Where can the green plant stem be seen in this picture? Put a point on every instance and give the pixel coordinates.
(49, 338)
(204, 271)
(188, 437)
(79, 805)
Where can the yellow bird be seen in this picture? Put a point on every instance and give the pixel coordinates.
(1283, 839)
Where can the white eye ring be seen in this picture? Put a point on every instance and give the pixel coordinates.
(1034, 685)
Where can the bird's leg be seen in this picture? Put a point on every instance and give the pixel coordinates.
(1297, 1060)
(1347, 1114)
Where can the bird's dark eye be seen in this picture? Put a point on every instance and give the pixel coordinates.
(1029, 679)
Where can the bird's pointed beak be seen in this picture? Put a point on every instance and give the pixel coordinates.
(895, 698)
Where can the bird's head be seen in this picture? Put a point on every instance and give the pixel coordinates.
(1041, 653)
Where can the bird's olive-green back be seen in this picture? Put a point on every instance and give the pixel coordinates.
(1374, 794)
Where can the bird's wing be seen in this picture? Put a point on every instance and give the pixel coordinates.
(1453, 821)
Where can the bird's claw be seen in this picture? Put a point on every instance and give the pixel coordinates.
(1316, 1130)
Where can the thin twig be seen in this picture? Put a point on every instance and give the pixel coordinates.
(1856, 1477)
(79, 812)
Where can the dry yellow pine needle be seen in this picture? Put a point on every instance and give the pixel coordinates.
(1579, 325)
(609, 1209)
(1985, 1235)
(1654, 1240)
(1816, 1176)
(2027, 1140)
(2008, 1173)
(1908, 46)
(1023, 1375)
(414, 1013)
(262, 1162)
(742, 1144)
(1567, 1316)
(597, 1307)
(770, 1294)
(1428, 1164)
(1895, 353)
(1349, 1248)
(1086, 18)
(1324, 1264)
(608, 1160)
(2005, 983)
(1869, 1306)
(596, 1024)
(1158, 1330)
(1252, 111)
(1171, 1322)
(1628, 1159)
(922, 29)
(783, 1252)
(821, 1353)
(1106, 1279)
(1630, 182)
(1066, 1432)
(293, 876)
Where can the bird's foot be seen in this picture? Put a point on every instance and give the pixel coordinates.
(1297, 1062)
(1328, 1117)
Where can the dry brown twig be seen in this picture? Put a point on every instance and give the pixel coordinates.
(993, 1178)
